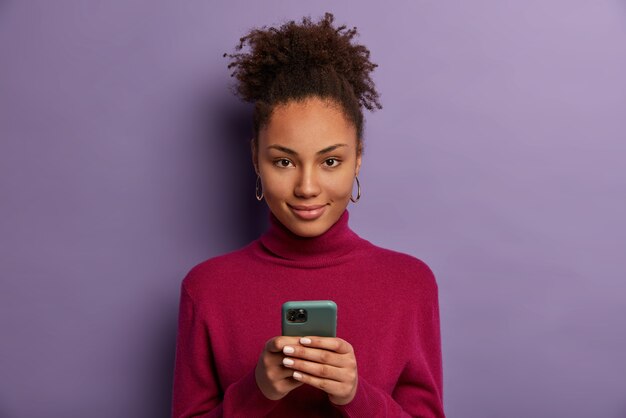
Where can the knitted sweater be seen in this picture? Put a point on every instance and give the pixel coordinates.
(387, 309)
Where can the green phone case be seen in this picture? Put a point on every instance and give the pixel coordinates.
(321, 318)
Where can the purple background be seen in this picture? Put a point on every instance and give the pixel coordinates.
(498, 159)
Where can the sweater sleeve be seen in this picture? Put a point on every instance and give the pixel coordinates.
(419, 390)
(196, 389)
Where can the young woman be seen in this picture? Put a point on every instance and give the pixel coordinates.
(308, 82)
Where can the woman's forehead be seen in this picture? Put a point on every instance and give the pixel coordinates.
(309, 125)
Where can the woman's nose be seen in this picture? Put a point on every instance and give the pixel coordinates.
(307, 184)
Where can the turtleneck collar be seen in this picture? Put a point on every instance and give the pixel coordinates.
(338, 240)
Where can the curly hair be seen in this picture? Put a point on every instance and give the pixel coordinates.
(298, 61)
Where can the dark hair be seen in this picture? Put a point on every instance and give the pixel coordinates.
(298, 61)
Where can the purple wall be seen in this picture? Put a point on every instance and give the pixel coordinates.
(497, 159)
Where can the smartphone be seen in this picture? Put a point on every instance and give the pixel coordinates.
(310, 317)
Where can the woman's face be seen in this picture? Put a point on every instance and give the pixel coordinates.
(307, 159)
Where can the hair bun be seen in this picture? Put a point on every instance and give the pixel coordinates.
(300, 48)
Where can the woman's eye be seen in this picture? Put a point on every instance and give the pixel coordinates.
(332, 162)
(283, 162)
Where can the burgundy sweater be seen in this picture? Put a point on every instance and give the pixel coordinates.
(387, 308)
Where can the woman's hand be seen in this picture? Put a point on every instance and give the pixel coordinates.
(326, 363)
(273, 379)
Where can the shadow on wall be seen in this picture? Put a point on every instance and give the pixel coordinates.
(235, 216)
(164, 343)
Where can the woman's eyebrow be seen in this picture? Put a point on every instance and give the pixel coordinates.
(320, 152)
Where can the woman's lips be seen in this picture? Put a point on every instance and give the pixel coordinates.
(308, 212)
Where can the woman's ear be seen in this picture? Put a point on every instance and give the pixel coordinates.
(255, 155)
(358, 158)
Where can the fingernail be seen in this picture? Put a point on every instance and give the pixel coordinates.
(287, 362)
(288, 350)
(297, 375)
(305, 341)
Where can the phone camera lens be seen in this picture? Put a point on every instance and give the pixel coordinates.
(302, 315)
(297, 315)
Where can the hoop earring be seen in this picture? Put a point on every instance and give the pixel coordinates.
(358, 193)
(258, 187)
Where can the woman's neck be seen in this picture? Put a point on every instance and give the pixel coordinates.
(338, 240)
